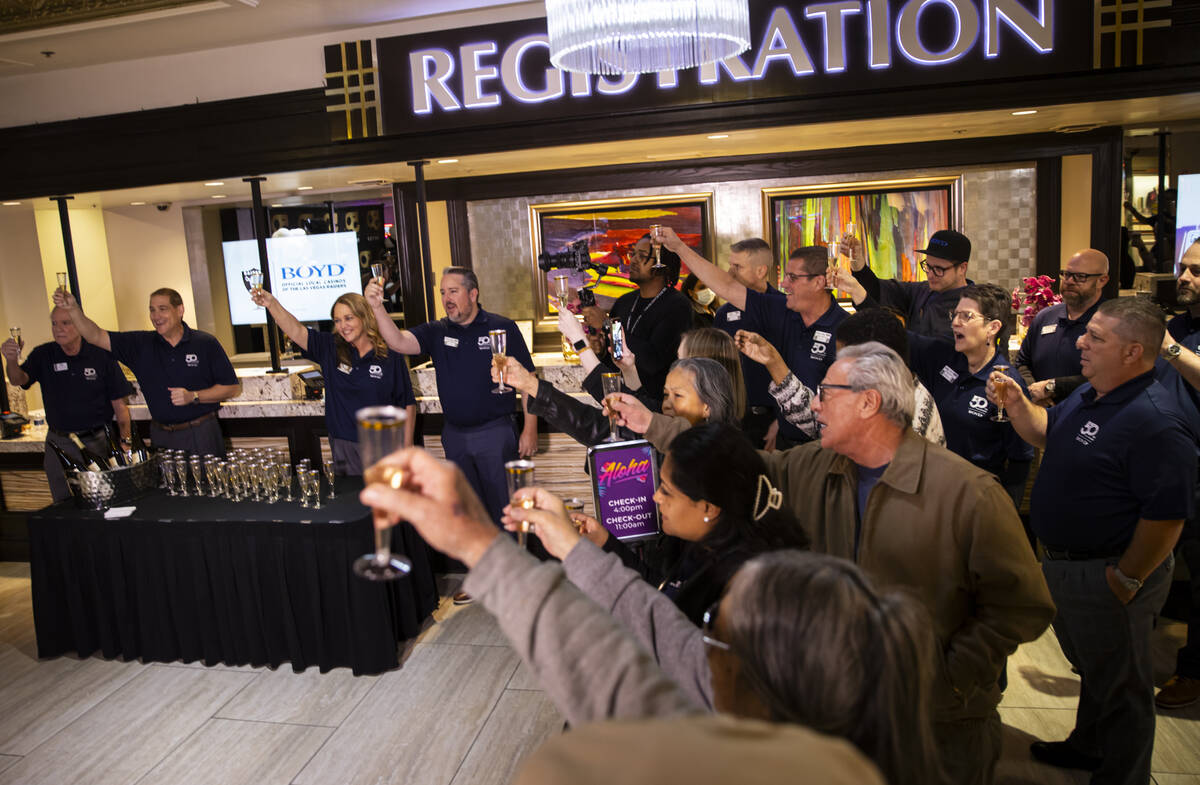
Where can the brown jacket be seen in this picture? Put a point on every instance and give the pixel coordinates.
(938, 527)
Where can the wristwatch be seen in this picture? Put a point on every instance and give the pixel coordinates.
(579, 345)
(195, 397)
(1130, 584)
(1050, 386)
(1173, 351)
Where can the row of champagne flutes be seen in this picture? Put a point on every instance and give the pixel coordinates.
(245, 475)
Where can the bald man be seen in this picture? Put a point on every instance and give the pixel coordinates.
(1049, 359)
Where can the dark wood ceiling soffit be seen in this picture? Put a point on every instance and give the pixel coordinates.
(19, 15)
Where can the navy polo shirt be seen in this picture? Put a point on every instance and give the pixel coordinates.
(368, 381)
(197, 362)
(962, 403)
(1049, 350)
(729, 320)
(926, 312)
(78, 390)
(462, 360)
(808, 350)
(1110, 461)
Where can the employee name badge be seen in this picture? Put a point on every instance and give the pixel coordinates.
(60, 366)
(948, 374)
(733, 316)
(344, 368)
(1049, 328)
(451, 342)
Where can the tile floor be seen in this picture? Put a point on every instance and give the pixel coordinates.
(460, 711)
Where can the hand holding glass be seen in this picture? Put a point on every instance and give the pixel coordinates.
(520, 475)
(1000, 382)
(656, 244)
(378, 273)
(15, 333)
(499, 341)
(381, 432)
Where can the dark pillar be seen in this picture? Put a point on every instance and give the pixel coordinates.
(68, 246)
(260, 234)
(423, 230)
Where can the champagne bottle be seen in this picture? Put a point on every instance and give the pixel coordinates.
(116, 456)
(69, 464)
(137, 449)
(93, 461)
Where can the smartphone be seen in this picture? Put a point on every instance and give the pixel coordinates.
(617, 333)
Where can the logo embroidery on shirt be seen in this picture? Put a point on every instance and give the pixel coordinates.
(192, 360)
(733, 316)
(978, 405)
(375, 371)
(89, 373)
(451, 342)
(484, 342)
(1088, 433)
(948, 374)
(1049, 328)
(818, 351)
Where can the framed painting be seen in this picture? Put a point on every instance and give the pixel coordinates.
(611, 227)
(891, 218)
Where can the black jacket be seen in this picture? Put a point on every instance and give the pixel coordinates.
(582, 422)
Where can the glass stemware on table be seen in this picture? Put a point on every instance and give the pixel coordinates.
(381, 432)
(327, 466)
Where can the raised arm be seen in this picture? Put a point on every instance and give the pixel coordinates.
(1028, 419)
(720, 281)
(398, 340)
(290, 325)
(91, 332)
(11, 350)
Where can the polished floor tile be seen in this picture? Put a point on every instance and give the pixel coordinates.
(308, 698)
(1177, 742)
(417, 723)
(1039, 676)
(130, 731)
(7, 760)
(228, 752)
(523, 679)
(47, 698)
(1177, 779)
(464, 624)
(1021, 728)
(519, 724)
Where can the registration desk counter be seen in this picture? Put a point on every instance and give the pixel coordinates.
(209, 580)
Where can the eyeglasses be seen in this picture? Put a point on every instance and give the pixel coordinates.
(793, 277)
(710, 621)
(966, 316)
(935, 271)
(821, 388)
(1074, 277)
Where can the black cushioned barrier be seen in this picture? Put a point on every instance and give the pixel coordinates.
(221, 582)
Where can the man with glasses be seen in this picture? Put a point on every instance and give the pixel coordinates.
(916, 516)
(1049, 358)
(801, 324)
(1109, 503)
(927, 304)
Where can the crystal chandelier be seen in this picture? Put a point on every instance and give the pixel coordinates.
(613, 37)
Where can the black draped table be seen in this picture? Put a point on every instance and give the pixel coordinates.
(246, 583)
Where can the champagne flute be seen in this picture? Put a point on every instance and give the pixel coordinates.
(302, 487)
(499, 341)
(1001, 385)
(167, 468)
(327, 465)
(378, 273)
(62, 280)
(561, 290)
(15, 333)
(520, 475)
(181, 473)
(574, 508)
(656, 244)
(314, 484)
(611, 382)
(834, 250)
(381, 432)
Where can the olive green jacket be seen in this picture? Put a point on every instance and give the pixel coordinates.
(936, 526)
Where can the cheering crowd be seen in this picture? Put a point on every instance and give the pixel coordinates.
(844, 570)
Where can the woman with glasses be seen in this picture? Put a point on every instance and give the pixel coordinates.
(956, 375)
(714, 495)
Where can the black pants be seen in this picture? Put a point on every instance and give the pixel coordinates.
(203, 438)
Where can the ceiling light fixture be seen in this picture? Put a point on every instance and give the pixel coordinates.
(218, 196)
(637, 37)
(718, 136)
(277, 205)
(447, 160)
(213, 184)
(10, 204)
(136, 204)
(304, 188)
(1024, 112)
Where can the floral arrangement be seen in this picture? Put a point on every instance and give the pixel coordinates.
(1032, 295)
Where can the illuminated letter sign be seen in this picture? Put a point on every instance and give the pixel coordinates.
(432, 83)
(966, 30)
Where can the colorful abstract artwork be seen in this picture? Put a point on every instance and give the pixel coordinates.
(611, 229)
(890, 221)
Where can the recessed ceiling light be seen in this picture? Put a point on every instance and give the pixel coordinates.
(448, 161)
(218, 196)
(277, 205)
(136, 204)
(1024, 112)
(10, 204)
(304, 188)
(718, 136)
(214, 183)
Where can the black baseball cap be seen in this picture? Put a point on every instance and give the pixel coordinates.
(949, 245)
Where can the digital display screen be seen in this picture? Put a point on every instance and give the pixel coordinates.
(1187, 220)
(308, 274)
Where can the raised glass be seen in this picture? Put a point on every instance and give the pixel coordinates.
(1001, 383)
(520, 475)
(499, 342)
(656, 244)
(380, 433)
(611, 382)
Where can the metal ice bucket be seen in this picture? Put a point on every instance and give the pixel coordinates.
(113, 487)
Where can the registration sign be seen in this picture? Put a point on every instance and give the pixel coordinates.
(624, 478)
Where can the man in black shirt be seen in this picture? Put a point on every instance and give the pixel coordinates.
(655, 317)
(82, 388)
(927, 304)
